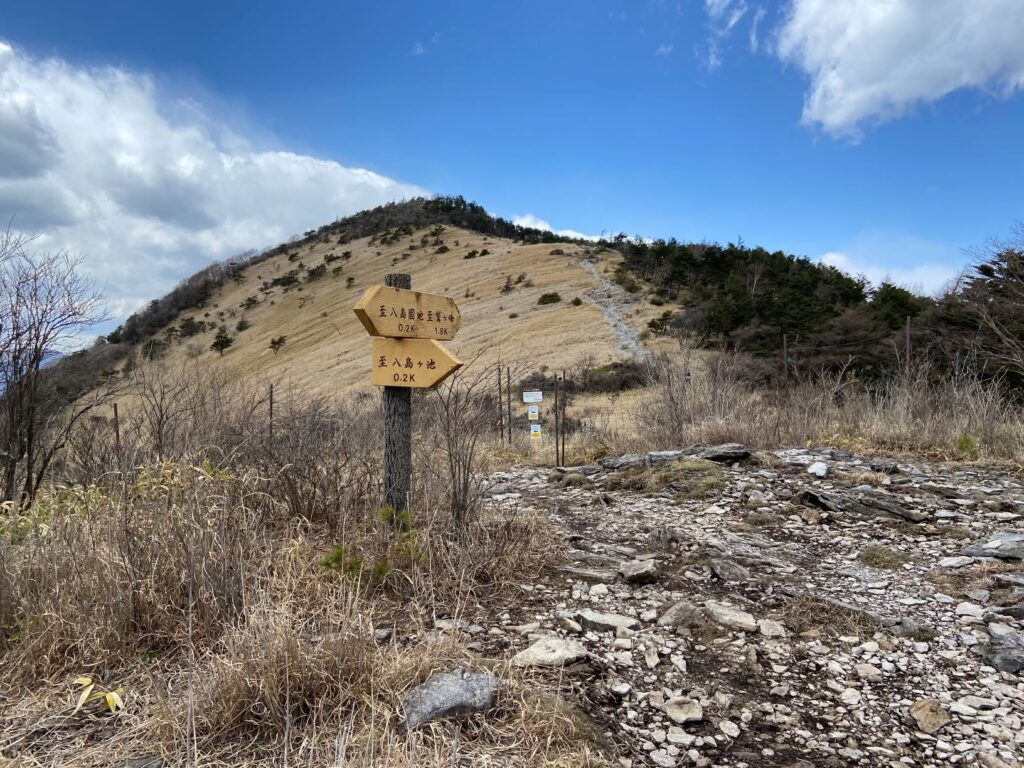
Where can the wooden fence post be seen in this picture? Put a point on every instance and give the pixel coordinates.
(508, 400)
(397, 429)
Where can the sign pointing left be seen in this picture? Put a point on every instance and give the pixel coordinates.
(418, 363)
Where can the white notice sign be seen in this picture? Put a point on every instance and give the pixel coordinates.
(533, 396)
(533, 412)
(535, 431)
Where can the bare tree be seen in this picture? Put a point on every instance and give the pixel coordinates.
(45, 304)
(995, 294)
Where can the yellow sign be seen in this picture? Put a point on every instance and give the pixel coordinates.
(403, 314)
(416, 363)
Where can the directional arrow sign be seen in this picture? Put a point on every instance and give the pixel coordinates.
(398, 313)
(411, 363)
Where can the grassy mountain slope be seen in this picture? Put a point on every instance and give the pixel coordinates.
(327, 349)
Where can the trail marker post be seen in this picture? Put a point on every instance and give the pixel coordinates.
(406, 355)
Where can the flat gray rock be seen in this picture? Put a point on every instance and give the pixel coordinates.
(868, 505)
(1008, 545)
(639, 571)
(729, 571)
(660, 457)
(449, 694)
(624, 462)
(605, 622)
(550, 652)
(1005, 653)
(723, 452)
(681, 614)
(730, 617)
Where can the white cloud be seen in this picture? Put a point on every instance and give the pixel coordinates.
(418, 49)
(529, 220)
(926, 278)
(723, 16)
(664, 49)
(754, 25)
(149, 188)
(872, 60)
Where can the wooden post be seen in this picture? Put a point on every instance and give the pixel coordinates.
(397, 429)
(785, 359)
(557, 462)
(117, 435)
(565, 404)
(271, 414)
(907, 348)
(508, 400)
(501, 409)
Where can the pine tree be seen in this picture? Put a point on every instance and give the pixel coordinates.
(221, 341)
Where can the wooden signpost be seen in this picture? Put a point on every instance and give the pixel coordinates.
(406, 355)
(402, 314)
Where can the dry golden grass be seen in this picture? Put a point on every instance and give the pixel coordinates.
(328, 351)
(235, 641)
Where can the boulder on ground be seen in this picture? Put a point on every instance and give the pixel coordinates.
(639, 571)
(929, 715)
(449, 694)
(1008, 545)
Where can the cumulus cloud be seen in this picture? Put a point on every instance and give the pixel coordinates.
(927, 278)
(529, 220)
(872, 60)
(150, 188)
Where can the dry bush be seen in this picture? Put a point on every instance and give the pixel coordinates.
(950, 415)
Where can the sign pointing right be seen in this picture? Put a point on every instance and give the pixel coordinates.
(401, 313)
(418, 363)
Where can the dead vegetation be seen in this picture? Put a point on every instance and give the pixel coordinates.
(251, 602)
(685, 479)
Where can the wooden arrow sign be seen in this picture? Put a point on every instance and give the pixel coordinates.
(398, 313)
(419, 363)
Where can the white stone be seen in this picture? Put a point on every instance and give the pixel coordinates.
(550, 652)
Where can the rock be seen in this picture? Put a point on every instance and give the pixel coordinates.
(850, 697)
(729, 571)
(729, 728)
(987, 760)
(724, 452)
(727, 616)
(449, 694)
(771, 628)
(958, 561)
(683, 613)
(682, 710)
(868, 505)
(929, 715)
(586, 574)
(1005, 653)
(604, 622)
(1008, 545)
(639, 571)
(818, 469)
(630, 460)
(969, 609)
(550, 652)
(660, 457)
(885, 466)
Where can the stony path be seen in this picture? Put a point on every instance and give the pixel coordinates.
(785, 610)
(613, 302)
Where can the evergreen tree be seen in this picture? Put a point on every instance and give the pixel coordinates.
(221, 341)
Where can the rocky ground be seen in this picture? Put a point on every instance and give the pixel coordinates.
(800, 608)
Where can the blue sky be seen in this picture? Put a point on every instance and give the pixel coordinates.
(881, 135)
